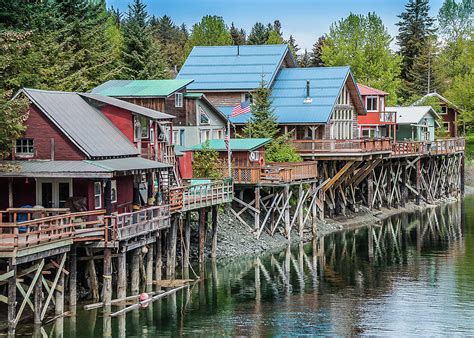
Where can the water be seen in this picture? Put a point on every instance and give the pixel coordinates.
(416, 278)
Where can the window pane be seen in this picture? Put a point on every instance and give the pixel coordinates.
(47, 194)
(97, 188)
(63, 193)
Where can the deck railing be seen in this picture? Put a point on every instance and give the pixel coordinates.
(306, 147)
(406, 148)
(86, 225)
(190, 197)
(132, 224)
(447, 146)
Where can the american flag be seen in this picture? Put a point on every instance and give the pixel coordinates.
(226, 141)
(241, 108)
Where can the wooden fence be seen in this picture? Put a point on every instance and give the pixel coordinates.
(191, 197)
(132, 224)
(407, 148)
(306, 147)
(447, 146)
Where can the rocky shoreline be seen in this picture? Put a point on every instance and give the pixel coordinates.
(237, 240)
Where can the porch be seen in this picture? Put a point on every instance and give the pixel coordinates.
(343, 148)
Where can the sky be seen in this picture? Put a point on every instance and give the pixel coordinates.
(306, 20)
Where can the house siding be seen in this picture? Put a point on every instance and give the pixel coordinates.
(42, 131)
(225, 99)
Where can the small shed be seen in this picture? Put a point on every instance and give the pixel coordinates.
(245, 151)
(415, 123)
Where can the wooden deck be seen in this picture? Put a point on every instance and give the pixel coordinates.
(331, 148)
(192, 197)
(274, 173)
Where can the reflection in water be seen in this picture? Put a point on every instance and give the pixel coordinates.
(413, 274)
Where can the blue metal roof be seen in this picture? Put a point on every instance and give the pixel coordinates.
(232, 67)
(289, 93)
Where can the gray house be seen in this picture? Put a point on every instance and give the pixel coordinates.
(416, 123)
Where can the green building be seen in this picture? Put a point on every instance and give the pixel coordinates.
(416, 123)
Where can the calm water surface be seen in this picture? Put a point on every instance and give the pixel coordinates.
(413, 275)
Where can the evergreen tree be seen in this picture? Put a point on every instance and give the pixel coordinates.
(263, 124)
(211, 31)
(315, 60)
(305, 59)
(455, 19)
(277, 27)
(422, 74)
(416, 27)
(238, 35)
(142, 57)
(293, 46)
(363, 43)
(274, 38)
(258, 35)
(171, 39)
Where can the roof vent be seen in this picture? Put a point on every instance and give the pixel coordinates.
(238, 50)
(308, 99)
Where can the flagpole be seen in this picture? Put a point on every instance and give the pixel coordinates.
(228, 149)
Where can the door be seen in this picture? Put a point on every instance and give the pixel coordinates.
(53, 193)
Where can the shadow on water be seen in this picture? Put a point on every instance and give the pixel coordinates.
(413, 274)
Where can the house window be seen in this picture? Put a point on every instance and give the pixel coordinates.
(24, 147)
(371, 103)
(113, 194)
(141, 128)
(248, 97)
(203, 117)
(178, 100)
(444, 110)
(97, 195)
(178, 137)
(219, 134)
(204, 135)
(446, 126)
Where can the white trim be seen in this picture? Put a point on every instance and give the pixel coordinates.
(178, 103)
(55, 189)
(113, 185)
(376, 100)
(100, 195)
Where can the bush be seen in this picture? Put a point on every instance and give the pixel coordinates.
(206, 163)
(281, 150)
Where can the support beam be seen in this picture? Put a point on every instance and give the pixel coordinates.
(12, 298)
(214, 231)
(187, 244)
(202, 234)
(122, 275)
(73, 279)
(159, 257)
(135, 272)
(107, 279)
(149, 268)
(257, 207)
(172, 240)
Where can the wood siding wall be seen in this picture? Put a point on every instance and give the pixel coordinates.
(42, 131)
(225, 99)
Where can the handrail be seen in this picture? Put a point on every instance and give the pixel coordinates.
(343, 146)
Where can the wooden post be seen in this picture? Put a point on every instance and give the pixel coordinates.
(214, 231)
(403, 188)
(370, 190)
(257, 209)
(314, 213)
(370, 240)
(73, 279)
(301, 212)
(158, 259)
(389, 180)
(135, 272)
(122, 275)
(172, 239)
(187, 244)
(462, 174)
(94, 284)
(59, 294)
(10, 192)
(286, 194)
(149, 268)
(418, 181)
(11, 299)
(38, 300)
(107, 279)
(202, 234)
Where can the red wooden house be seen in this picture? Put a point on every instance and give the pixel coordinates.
(377, 122)
(449, 113)
(72, 155)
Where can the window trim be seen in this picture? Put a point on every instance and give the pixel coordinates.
(445, 111)
(22, 146)
(376, 100)
(113, 185)
(201, 114)
(98, 195)
(178, 103)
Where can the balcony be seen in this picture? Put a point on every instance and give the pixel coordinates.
(343, 147)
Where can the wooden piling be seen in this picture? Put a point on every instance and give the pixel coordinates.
(38, 301)
(301, 211)
(370, 190)
(418, 181)
(286, 194)
(93, 283)
(214, 231)
(135, 272)
(59, 294)
(12, 298)
(122, 275)
(187, 244)
(73, 279)
(149, 268)
(202, 234)
(159, 258)
(172, 240)
(403, 188)
(257, 210)
(107, 279)
(314, 213)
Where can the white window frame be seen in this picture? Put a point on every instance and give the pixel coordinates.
(113, 186)
(376, 100)
(444, 110)
(446, 125)
(24, 144)
(98, 195)
(207, 133)
(382, 104)
(178, 100)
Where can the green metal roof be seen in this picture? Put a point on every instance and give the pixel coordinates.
(236, 144)
(194, 95)
(140, 88)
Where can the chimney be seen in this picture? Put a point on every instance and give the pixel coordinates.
(308, 99)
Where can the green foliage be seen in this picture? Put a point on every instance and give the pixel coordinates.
(206, 163)
(263, 124)
(211, 31)
(317, 51)
(171, 39)
(304, 60)
(274, 38)
(258, 35)
(416, 27)
(13, 114)
(455, 19)
(238, 35)
(363, 43)
(141, 54)
(293, 46)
